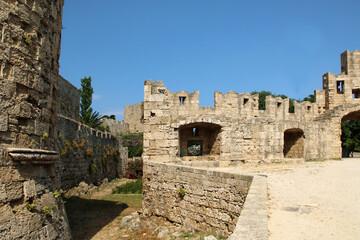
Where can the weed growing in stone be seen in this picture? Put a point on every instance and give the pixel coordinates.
(182, 192)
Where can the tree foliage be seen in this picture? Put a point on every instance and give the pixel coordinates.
(262, 98)
(350, 136)
(87, 115)
(310, 98)
(134, 143)
(110, 117)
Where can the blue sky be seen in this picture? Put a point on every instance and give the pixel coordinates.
(280, 46)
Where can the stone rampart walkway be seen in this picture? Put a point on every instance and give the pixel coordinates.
(313, 200)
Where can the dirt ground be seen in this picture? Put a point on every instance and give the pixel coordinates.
(313, 200)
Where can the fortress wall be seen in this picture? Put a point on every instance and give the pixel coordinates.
(68, 100)
(133, 115)
(199, 199)
(30, 206)
(87, 155)
(247, 134)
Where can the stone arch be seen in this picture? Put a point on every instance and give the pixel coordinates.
(199, 140)
(354, 115)
(293, 143)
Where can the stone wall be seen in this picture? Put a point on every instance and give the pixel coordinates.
(30, 206)
(68, 100)
(87, 155)
(174, 123)
(134, 116)
(198, 199)
(116, 127)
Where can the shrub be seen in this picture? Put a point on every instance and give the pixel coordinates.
(134, 143)
(134, 169)
(134, 187)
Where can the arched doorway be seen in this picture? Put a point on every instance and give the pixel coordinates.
(294, 143)
(199, 139)
(350, 134)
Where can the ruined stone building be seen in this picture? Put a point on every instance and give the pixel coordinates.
(235, 130)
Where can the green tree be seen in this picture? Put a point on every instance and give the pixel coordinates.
(109, 117)
(87, 115)
(350, 136)
(134, 143)
(310, 98)
(262, 98)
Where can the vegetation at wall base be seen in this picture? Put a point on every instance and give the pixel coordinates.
(134, 143)
(134, 169)
(134, 187)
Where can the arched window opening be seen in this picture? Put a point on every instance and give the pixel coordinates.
(199, 139)
(350, 135)
(294, 143)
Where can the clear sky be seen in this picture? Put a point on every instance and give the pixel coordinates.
(280, 46)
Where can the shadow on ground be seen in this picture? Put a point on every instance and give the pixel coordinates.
(89, 216)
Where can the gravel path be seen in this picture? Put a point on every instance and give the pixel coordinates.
(319, 200)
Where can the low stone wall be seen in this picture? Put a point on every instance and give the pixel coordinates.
(197, 198)
(253, 221)
(86, 154)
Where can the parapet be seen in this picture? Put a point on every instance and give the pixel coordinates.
(231, 104)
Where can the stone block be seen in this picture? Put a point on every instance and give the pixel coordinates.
(14, 190)
(3, 122)
(3, 195)
(29, 189)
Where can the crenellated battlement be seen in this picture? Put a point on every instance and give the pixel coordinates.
(241, 105)
(234, 130)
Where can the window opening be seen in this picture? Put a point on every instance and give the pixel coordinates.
(356, 93)
(182, 100)
(340, 87)
(152, 114)
(245, 100)
(195, 132)
(308, 108)
(278, 104)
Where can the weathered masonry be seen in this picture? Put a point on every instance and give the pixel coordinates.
(30, 205)
(235, 130)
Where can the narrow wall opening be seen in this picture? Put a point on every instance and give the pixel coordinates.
(350, 135)
(199, 139)
(294, 143)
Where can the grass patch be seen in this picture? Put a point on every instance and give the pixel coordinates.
(134, 187)
(133, 201)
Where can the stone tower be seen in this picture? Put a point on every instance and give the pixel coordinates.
(30, 34)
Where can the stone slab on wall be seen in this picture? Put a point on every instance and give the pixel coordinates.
(197, 198)
(86, 154)
(68, 100)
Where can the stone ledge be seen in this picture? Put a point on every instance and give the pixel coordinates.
(33, 156)
(253, 223)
